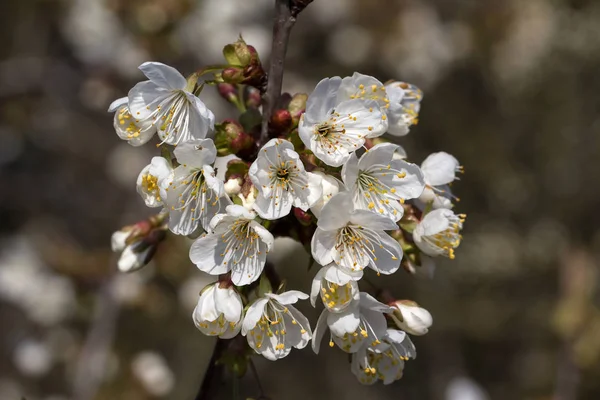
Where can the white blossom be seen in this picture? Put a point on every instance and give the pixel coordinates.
(384, 362)
(363, 87)
(361, 323)
(411, 318)
(235, 243)
(355, 239)
(404, 106)
(330, 186)
(195, 195)
(336, 288)
(273, 326)
(437, 234)
(282, 181)
(380, 184)
(153, 181)
(134, 130)
(166, 100)
(439, 170)
(333, 130)
(219, 311)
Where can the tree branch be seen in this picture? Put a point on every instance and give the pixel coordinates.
(286, 12)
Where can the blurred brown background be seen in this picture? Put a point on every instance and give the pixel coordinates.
(512, 89)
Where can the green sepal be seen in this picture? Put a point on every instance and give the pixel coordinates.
(250, 119)
(264, 286)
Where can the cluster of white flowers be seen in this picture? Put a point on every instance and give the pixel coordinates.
(353, 191)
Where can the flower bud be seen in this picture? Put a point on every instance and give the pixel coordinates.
(230, 138)
(411, 318)
(252, 97)
(227, 91)
(281, 121)
(304, 217)
(248, 194)
(128, 234)
(297, 106)
(236, 169)
(138, 242)
(233, 186)
(233, 75)
(219, 311)
(140, 252)
(240, 54)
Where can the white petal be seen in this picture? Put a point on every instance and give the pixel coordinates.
(237, 211)
(163, 75)
(289, 297)
(315, 191)
(249, 268)
(381, 153)
(264, 234)
(319, 331)
(229, 303)
(205, 253)
(370, 303)
(388, 257)
(439, 168)
(346, 321)
(315, 288)
(131, 260)
(144, 97)
(322, 244)
(278, 205)
(118, 240)
(322, 99)
(196, 153)
(336, 213)
(365, 115)
(253, 315)
(296, 337)
(115, 105)
(333, 274)
(350, 171)
(373, 221)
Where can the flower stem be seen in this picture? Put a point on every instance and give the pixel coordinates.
(257, 378)
(286, 12)
(214, 373)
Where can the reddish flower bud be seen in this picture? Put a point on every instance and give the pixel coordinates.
(252, 97)
(233, 75)
(281, 120)
(230, 138)
(227, 91)
(304, 217)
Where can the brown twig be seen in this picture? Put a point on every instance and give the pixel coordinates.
(286, 12)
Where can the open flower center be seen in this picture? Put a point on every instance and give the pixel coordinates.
(150, 185)
(274, 323)
(334, 296)
(373, 194)
(448, 239)
(240, 241)
(356, 247)
(126, 121)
